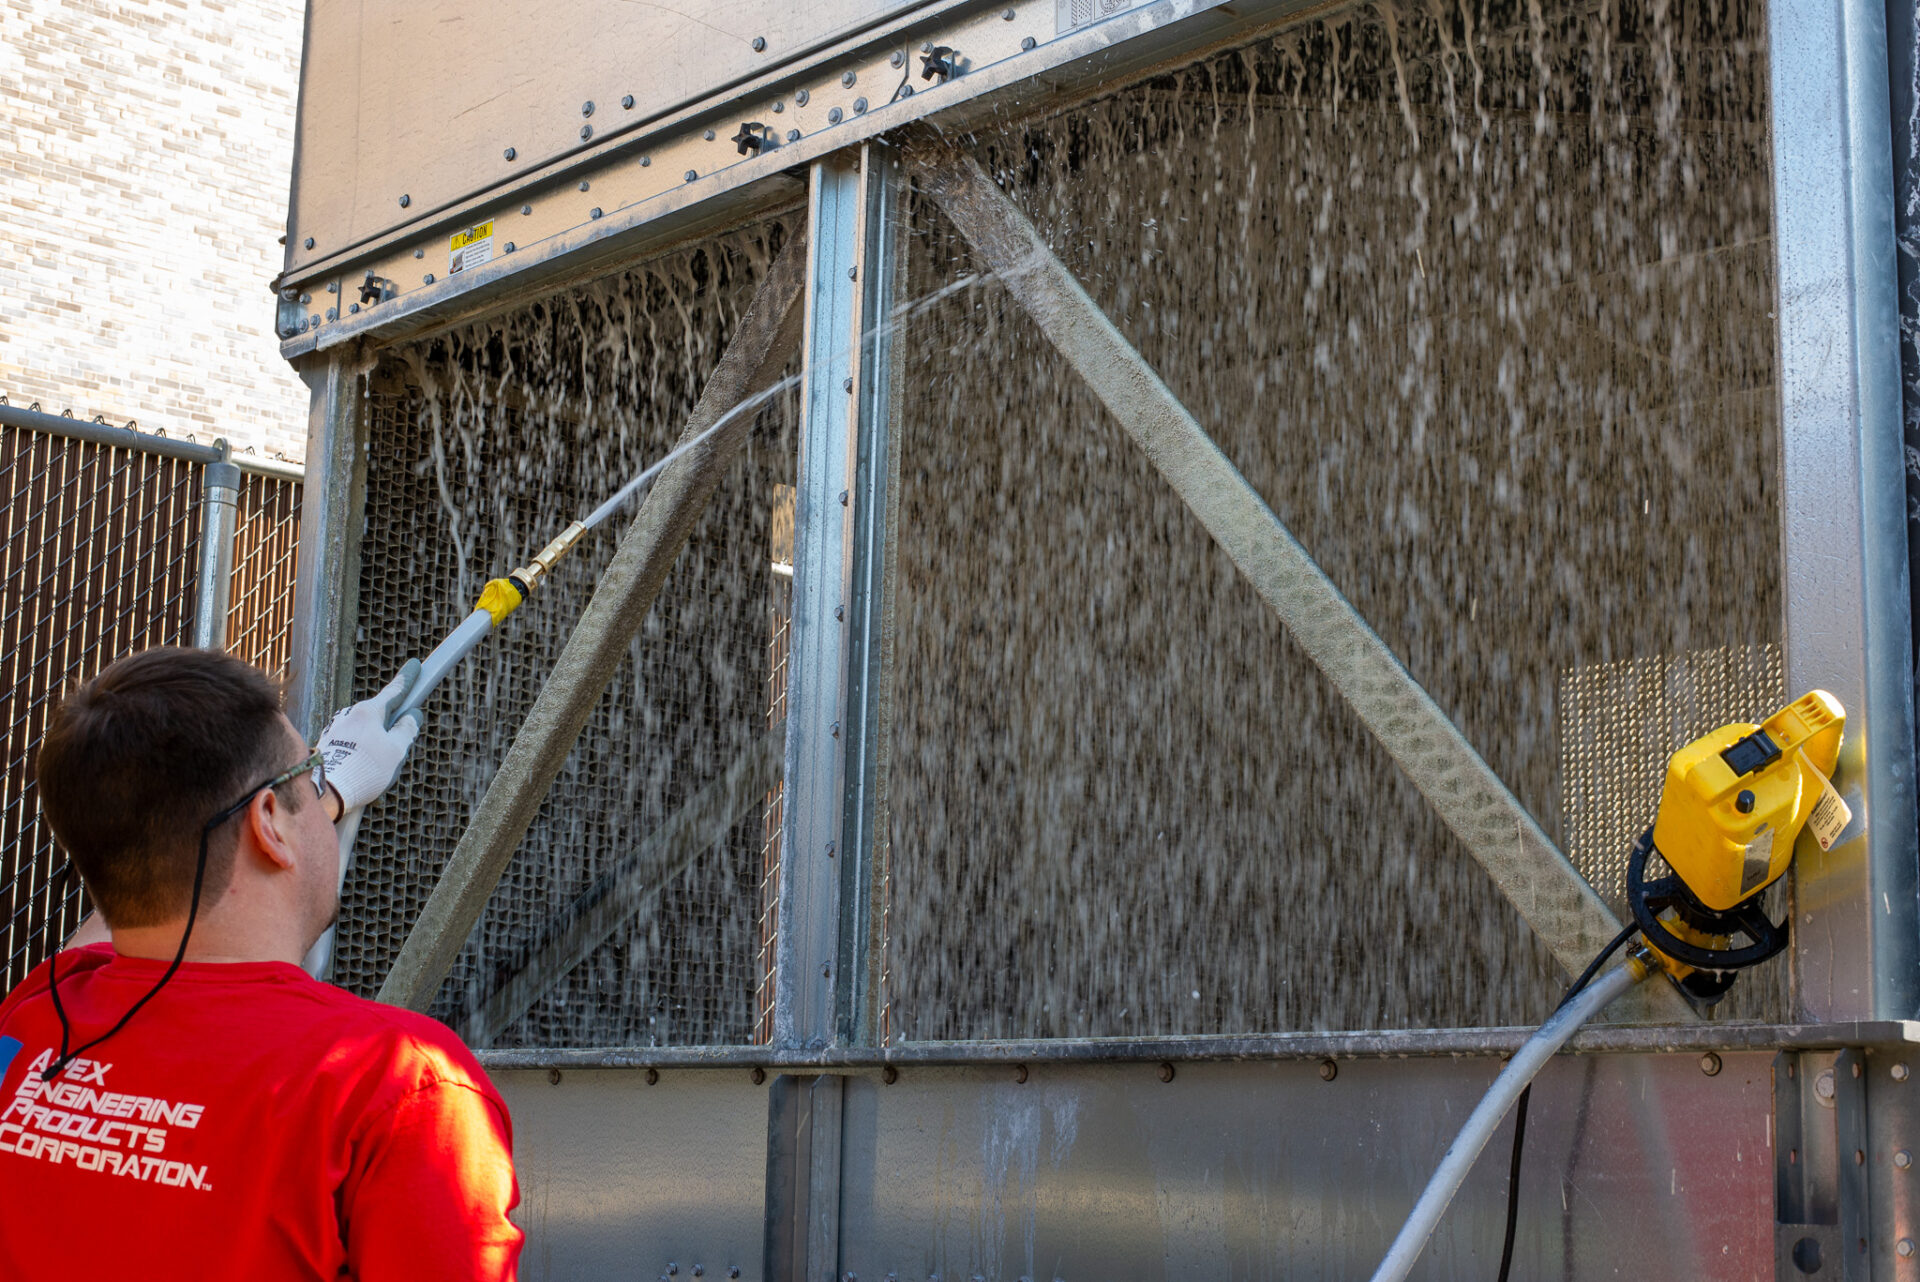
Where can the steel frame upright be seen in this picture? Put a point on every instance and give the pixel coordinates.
(1844, 563)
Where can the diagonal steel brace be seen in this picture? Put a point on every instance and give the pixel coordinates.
(1534, 876)
(768, 334)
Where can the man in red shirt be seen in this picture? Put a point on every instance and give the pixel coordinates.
(186, 1102)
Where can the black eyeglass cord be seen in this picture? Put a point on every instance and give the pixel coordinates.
(67, 1057)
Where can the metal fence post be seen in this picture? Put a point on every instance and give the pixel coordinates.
(219, 512)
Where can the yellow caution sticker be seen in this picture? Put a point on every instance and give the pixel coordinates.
(470, 248)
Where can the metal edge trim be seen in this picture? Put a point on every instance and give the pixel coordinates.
(106, 434)
(1277, 1047)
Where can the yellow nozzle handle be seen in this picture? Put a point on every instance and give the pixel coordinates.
(500, 598)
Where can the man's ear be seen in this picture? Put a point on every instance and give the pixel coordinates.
(266, 818)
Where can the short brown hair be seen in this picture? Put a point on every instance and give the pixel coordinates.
(137, 760)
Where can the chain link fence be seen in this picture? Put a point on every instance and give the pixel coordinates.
(99, 552)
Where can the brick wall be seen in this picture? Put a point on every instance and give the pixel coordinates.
(145, 148)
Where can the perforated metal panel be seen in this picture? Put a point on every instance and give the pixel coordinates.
(1485, 316)
(482, 445)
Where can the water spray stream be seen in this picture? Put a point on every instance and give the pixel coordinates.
(501, 597)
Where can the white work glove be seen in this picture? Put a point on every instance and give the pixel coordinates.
(365, 744)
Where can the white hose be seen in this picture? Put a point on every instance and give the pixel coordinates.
(1473, 1137)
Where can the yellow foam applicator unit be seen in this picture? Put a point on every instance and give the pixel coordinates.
(1736, 799)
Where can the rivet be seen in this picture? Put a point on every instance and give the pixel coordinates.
(1328, 1070)
(843, 498)
(553, 1076)
(508, 249)
(626, 100)
(309, 242)
(691, 175)
(586, 108)
(708, 135)
(653, 1077)
(428, 278)
(889, 1075)
(1710, 1064)
(509, 153)
(645, 161)
(1007, 15)
(1903, 1159)
(526, 209)
(405, 201)
(759, 44)
(586, 132)
(1899, 1072)
(859, 106)
(846, 81)
(584, 185)
(594, 212)
(1904, 1248)
(793, 135)
(1166, 1072)
(1020, 1073)
(759, 1076)
(1028, 43)
(800, 97)
(899, 58)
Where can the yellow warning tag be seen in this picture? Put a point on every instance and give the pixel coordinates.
(461, 239)
(1830, 816)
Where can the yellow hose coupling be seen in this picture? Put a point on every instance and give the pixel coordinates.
(533, 571)
(500, 598)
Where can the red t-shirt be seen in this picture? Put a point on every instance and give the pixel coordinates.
(250, 1122)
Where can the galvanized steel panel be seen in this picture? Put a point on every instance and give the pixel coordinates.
(422, 104)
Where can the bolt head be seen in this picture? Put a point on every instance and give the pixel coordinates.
(1899, 1072)
(793, 135)
(1710, 1064)
(1007, 15)
(899, 58)
(1328, 1070)
(586, 132)
(759, 1076)
(526, 209)
(428, 278)
(779, 107)
(692, 174)
(626, 101)
(1903, 1159)
(594, 212)
(509, 153)
(846, 81)
(353, 309)
(306, 298)
(553, 1077)
(1028, 44)
(1020, 1072)
(586, 108)
(759, 44)
(801, 97)
(419, 253)
(308, 242)
(834, 115)
(1904, 1248)
(333, 313)
(646, 161)
(859, 106)
(1166, 1072)
(507, 248)
(653, 1077)
(889, 1075)
(405, 201)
